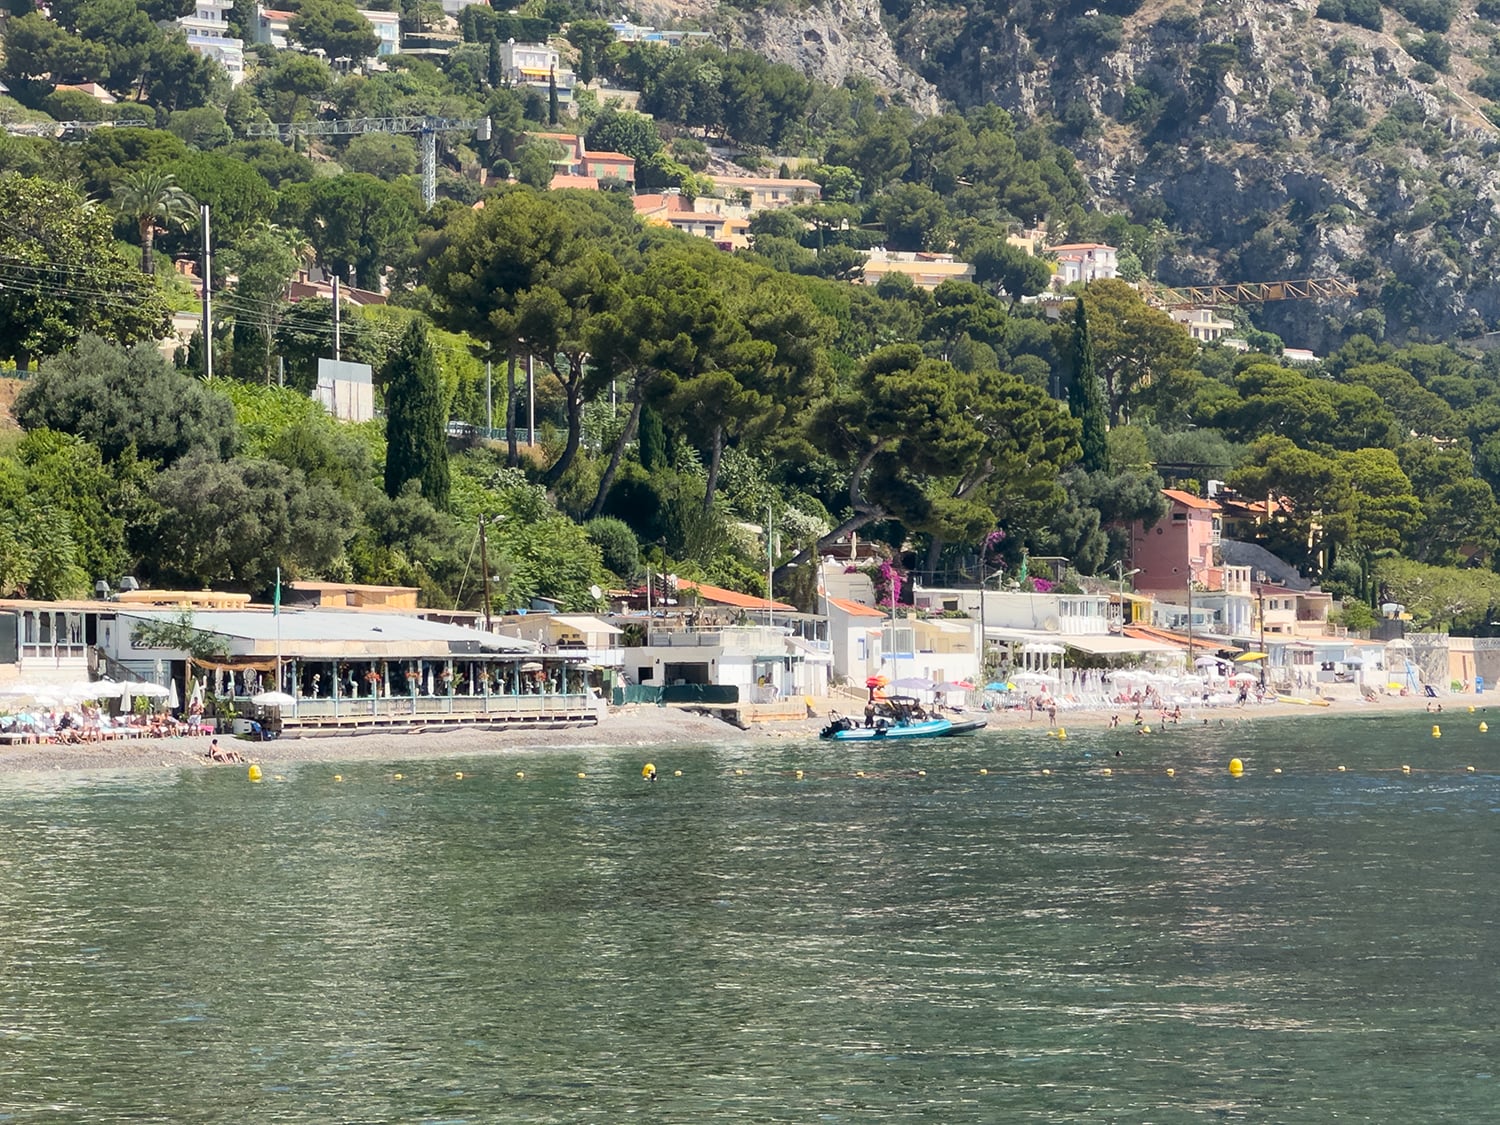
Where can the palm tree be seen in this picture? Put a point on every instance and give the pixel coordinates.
(154, 202)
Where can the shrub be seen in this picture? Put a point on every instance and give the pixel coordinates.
(617, 544)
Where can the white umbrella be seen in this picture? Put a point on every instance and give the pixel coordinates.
(141, 687)
(94, 689)
(172, 699)
(1032, 678)
(914, 683)
(273, 699)
(1043, 649)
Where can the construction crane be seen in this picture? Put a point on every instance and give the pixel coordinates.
(64, 130)
(427, 128)
(1247, 292)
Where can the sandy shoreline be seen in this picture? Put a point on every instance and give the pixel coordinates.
(652, 728)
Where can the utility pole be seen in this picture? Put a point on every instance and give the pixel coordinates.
(336, 351)
(208, 279)
(484, 561)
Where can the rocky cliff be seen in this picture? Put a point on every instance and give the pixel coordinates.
(832, 40)
(1276, 138)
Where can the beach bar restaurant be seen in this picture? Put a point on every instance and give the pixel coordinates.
(352, 667)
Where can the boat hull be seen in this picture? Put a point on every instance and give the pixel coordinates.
(929, 728)
(968, 726)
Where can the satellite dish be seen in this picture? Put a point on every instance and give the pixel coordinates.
(595, 593)
(1051, 624)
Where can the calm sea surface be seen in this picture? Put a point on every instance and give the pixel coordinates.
(955, 947)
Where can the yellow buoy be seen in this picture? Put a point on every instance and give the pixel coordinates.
(799, 775)
(253, 773)
(1405, 769)
(458, 776)
(1062, 732)
(521, 775)
(676, 773)
(338, 777)
(859, 773)
(1468, 769)
(1145, 730)
(1342, 769)
(1276, 770)
(1171, 772)
(921, 773)
(984, 772)
(1236, 767)
(1483, 727)
(647, 770)
(739, 773)
(1471, 709)
(1107, 772)
(1437, 731)
(395, 777)
(1046, 773)
(581, 774)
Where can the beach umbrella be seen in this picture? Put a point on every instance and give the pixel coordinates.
(999, 685)
(531, 666)
(173, 700)
(955, 685)
(1248, 657)
(877, 681)
(1033, 678)
(914, 683)
(1209, 662)
(273, 699)
(141, 687)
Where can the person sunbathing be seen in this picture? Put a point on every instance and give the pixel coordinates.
(217, 753)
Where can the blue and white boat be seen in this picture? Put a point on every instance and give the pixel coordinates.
(847, 730)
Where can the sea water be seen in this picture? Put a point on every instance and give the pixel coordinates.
(932, 931)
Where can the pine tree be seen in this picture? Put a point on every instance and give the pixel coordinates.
(415, 425)
(1086, 396)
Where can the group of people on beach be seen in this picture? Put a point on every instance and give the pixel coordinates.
(89, 724)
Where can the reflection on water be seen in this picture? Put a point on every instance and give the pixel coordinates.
(950, 948)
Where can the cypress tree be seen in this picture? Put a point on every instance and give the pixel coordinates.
(1086, 397)
(553, 113)
(416, 439)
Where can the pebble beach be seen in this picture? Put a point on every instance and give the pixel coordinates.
(647, 727)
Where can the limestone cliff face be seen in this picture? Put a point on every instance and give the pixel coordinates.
(1276, 143)
(831, 40)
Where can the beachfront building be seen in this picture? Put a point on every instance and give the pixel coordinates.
(1181, 545)
(358, 668)
(1050, 633)
(367, 662)
(749, 649)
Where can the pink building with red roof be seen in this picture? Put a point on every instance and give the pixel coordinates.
(1183, 542)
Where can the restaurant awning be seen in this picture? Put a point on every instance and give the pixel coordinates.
(1108, 645)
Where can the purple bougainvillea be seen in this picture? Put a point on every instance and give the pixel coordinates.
(888, 583)
(1042, 585)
